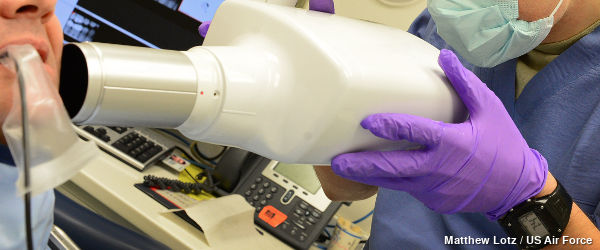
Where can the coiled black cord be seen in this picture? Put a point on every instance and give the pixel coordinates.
(176, 185)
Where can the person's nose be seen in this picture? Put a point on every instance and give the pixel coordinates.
(32, 9)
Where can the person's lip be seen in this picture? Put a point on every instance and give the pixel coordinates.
(41, 47)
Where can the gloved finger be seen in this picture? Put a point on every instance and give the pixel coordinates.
(394, 126)
(395, 183)
(467, 85)
(203, 29)
(382, 164)
(326, 6)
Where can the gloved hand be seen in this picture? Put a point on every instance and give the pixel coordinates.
(480, 165)
(316, 5)
(203, 28)
(326, 6)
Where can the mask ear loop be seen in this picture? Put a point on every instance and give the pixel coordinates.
(26, 152)
(556, 8)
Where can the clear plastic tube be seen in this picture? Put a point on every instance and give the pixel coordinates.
(55, 152)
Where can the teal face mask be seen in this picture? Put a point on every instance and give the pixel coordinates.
(486, 32)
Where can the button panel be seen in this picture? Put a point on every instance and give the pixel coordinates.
(256, 192)
(137, 147)
(302, 217)
(288, 196)
(97, 132)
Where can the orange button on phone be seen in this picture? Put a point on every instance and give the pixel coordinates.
(272, 216)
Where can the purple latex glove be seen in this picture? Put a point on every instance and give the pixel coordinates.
(322, 6)
(480, 165)
(316, 5)
(203, 29)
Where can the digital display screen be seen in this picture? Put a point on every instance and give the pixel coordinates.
(302, 174)
(533, 224)
(165, 24)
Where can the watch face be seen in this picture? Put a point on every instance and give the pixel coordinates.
(533, 225)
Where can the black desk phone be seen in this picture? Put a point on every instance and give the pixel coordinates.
(288, 198)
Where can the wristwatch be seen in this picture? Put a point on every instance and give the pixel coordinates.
(533, 221)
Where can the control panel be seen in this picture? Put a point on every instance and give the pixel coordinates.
(288, 200)
(137, 147)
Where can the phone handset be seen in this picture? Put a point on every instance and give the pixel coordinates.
(234, 166)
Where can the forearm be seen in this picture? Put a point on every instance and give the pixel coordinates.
(342, 189)
(580, 230)
(579, 227)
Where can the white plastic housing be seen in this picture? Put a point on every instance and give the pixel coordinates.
(296, 83)
(290, 84)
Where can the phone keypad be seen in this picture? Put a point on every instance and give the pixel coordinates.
(305, 215)
(303, 221)
(302, 217)
(259, 193)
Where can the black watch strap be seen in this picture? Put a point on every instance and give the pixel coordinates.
(531, 222)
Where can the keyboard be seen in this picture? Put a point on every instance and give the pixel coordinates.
(137, 147)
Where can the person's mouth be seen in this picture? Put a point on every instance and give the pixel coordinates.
(40, 46)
